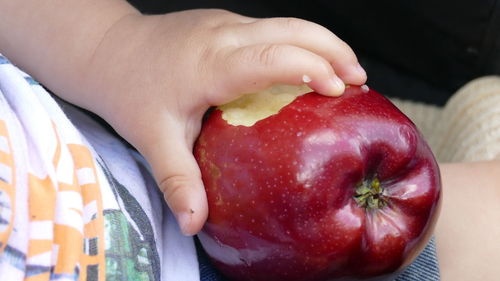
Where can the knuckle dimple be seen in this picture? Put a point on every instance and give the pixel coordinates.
(264, 55)
(269, 54)
(173, 185)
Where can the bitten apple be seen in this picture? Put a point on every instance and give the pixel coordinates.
(308, 187)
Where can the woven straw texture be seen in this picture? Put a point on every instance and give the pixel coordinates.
(467, 128)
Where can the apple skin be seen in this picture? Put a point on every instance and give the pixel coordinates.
(286, 194)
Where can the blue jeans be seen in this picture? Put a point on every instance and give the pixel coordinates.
(424, 268)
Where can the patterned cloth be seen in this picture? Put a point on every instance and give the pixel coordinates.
(75, 202)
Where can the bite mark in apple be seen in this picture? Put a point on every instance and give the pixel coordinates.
(250, 108)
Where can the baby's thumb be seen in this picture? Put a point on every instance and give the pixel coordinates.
(179, 179)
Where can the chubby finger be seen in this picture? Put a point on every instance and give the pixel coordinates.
(179, 179)
(257, 67)
(310, 36)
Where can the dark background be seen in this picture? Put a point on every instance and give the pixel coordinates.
(422, 50)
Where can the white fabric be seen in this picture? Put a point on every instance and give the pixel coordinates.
(74, 199)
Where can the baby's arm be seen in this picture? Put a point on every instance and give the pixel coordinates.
(153, 77)
(468, 230)
(54, 40)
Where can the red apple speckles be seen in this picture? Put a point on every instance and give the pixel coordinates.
(328, 188)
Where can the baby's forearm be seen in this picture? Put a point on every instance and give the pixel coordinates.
(468, 230)
(53, 40)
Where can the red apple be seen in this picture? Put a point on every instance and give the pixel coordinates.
(323, 188)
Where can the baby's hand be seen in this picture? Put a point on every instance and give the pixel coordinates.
(159, 74)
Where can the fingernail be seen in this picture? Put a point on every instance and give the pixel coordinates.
(184, 220)
(365, 88)
(338, 86)
(306, 79)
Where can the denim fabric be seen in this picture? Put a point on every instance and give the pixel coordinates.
(424, 268)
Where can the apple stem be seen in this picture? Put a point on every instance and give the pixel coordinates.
(369, 194)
